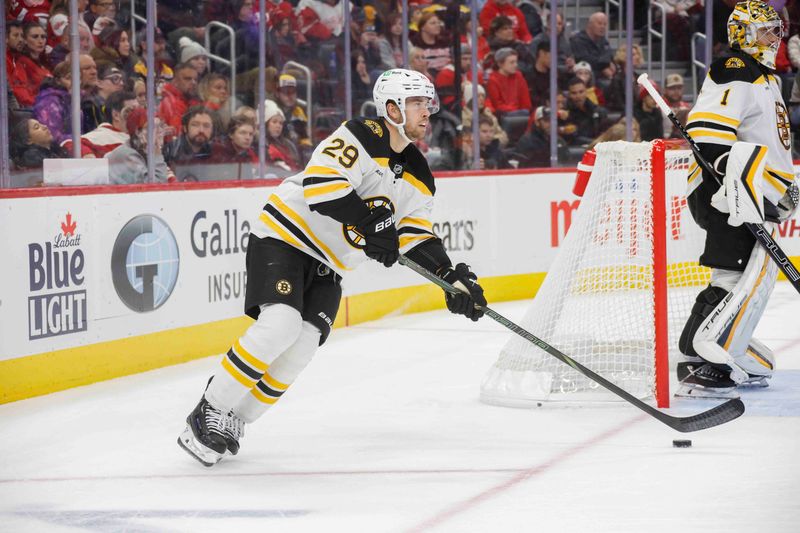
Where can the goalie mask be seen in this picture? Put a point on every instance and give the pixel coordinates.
(756, 29)
(397, 85)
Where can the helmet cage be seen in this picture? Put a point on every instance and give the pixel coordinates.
(749, 23)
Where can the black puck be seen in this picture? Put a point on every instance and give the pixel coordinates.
(678, 443)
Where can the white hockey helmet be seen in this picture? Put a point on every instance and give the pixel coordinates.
(748, 23)
(398, 84)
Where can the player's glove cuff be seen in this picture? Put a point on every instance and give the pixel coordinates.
(464, 303)
(380, 236)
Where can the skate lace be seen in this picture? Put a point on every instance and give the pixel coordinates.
(215, 420)
(234, 426)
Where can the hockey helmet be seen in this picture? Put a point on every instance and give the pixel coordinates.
(398, 84)
(750, 26)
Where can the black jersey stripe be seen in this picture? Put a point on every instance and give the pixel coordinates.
(418, 231)
(783, 180)
(277, 215)
(269, 391)
(316, 180)
(246, 369)
(709, 125)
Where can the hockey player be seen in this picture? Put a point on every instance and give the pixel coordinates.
(741, 126)
(366, 193)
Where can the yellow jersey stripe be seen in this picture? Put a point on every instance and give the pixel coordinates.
(697, 132)
(317, 170)
(410, 178)
(237, 375)
(297, 219)
(785, 175)
(713, 116)
(259, 365)
(285, 235)
(780, 187)
(310, 192)
(413, 238)
(427, 224)
(274, 383)
(382, 161)
(263, 398)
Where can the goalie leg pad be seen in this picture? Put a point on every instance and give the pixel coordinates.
(759, 363)
(725, 334)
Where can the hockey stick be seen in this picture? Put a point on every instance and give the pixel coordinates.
(713, 417)
(761, 234)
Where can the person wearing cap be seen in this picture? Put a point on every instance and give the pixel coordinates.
(673, 95)
(507, 88)
(649, 116)
(127, 163)
(533, 148)
(97, 9)
(378, 56)
(583, 71)
(162, 57)
(110, 79)
(192, 53)
(483, 111)
(293, 110)
(179, 95)
(282, 151)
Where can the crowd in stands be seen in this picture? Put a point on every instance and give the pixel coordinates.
(205, 131)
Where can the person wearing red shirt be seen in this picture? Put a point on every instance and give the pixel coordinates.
(32, 66)
(507, 88)
(493, 8)
(178, 96)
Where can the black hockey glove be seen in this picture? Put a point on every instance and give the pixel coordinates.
(464, 303)
(380, 236)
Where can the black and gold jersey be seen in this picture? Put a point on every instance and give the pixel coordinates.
(356, 158)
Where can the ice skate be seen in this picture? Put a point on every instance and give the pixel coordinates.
(234, 430)
(704, 380)
(204, 437)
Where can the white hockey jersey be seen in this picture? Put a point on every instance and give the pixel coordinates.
(356, 157)
(740, 101)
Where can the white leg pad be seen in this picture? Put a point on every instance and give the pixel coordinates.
(278, 327)
(724, 337)
(283, 370)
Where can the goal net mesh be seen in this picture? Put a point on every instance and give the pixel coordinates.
(597, 303)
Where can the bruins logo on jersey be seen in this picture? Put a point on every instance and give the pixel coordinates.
(352, 235)
(283, 287)
(375, 127)
(782, 121)
(734, 62)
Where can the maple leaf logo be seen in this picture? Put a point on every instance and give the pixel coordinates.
(68, 226)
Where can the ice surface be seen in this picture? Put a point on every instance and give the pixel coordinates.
(384, 432)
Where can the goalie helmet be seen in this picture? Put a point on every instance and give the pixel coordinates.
(750, 26)
(398, 84)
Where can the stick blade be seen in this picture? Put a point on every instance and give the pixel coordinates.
(721, 414)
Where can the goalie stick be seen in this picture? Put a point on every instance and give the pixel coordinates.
(761, 234)
(720, 414)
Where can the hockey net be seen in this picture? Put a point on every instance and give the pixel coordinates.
(618, 293)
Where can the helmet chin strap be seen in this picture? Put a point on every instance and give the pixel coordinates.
(399, 127)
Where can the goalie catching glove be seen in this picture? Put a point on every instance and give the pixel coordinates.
(463, 279)
(380, 236)
(741, 194)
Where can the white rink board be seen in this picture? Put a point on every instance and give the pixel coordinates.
(501, 225)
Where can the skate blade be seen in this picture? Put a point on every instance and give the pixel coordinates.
(760, 382)
(206, 456)
(698, 391)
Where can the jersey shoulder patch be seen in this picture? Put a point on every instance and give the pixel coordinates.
(372, 135)
(417, 166)
(734, 66)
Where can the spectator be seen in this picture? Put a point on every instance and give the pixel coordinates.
(138, 87)
(29, 11)
(429, 39)
(188, 152)
(492, 156)
(111, 133)
(378, 58)
(88, 70)
(178, 96)
(215, 95)
(591, 45)
(297, 128)
(97, 9)
(417, 62)
(793, 50)
(483, 111)
(566, 60)
(362, 83)
(508, 90)
(501, 35)
(237, 147)
(320, 19)
(618, 132)
(533, 148)
(127, 163)
(110, 80)
(282, 39)
(393, 37)
(115, 47)
(583, 71)
(162, 58)
(494, 8)
(535, 14)
(53, 103)
(539, 77)
(589, 119)
(615, 92)
(647, 113)
(673, 95)
(250, 114)
(281, 151)
(17, 78)
(603, 80)
(32, 66)
(32, 143)
(193, 54)
(446, 80)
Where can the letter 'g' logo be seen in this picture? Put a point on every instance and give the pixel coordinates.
(144, 263)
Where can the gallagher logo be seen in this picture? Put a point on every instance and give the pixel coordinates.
(144, 263)
(56, 269)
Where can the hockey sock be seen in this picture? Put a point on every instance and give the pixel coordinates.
(280, 374)
(278, 327)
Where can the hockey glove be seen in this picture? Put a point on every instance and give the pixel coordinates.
(788, 204)
(464, 279)
(380, 236)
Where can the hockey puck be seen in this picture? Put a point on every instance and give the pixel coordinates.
(677, 443)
